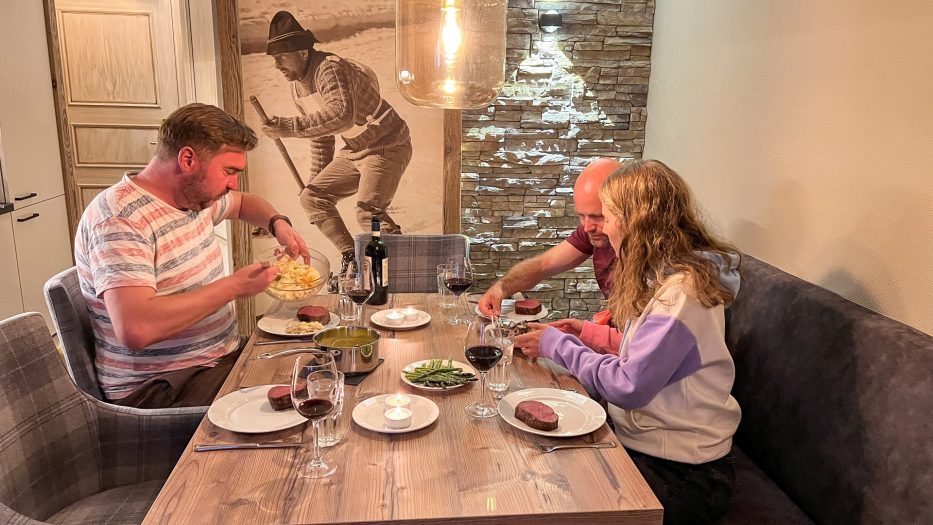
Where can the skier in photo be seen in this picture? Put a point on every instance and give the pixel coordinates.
(335, 95)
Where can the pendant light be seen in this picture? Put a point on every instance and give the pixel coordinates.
(450, 53)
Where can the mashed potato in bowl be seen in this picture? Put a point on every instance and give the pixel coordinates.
(296, 280)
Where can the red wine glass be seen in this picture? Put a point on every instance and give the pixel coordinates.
(483, 350)
(314, 395)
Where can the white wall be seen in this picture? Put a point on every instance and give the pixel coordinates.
(806, 131)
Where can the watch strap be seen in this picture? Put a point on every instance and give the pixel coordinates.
(275, 218)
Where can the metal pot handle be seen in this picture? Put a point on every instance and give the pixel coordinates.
(290, 351)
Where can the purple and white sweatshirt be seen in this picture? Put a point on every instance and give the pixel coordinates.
(669, 387)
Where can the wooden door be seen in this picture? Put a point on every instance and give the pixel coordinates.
(117, 75)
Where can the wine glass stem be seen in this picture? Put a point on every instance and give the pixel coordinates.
(482, 389)
(316, 426)
(359, 314)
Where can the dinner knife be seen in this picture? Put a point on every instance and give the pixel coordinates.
(199, 447)
(283, 341)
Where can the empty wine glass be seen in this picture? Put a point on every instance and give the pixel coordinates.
(483, 351)
(357, 283)
(458, 278)
(314, 395)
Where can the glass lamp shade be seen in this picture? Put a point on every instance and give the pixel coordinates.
(450, 53)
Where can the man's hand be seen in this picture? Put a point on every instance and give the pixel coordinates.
(530, 343)
(292, 241)
(252, 280)
(490, 304)
(277, 128)
(569, 326)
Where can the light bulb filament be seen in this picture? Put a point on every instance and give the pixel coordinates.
(451, 36)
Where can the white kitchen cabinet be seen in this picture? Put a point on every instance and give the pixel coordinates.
(11, 297)
(43, 248)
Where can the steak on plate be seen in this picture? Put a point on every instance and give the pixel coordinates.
(536, 415)
(528, 307)
(280, 397)
(311, 314)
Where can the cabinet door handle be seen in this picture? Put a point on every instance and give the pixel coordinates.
(27, 196)
(31, 217)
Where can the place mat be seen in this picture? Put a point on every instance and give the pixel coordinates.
(357, 379)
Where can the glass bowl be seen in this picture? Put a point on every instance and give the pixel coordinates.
(296, 281)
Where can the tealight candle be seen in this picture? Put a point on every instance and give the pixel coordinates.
(398, 400)
(398, 417)
(410, 313)
(394, 317)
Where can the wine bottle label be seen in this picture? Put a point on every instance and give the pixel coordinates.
(385, 272)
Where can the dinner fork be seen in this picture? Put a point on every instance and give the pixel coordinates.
(552, 448)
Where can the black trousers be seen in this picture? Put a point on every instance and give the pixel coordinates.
(690, 494)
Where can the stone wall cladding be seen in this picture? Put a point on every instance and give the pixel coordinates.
(571, 97)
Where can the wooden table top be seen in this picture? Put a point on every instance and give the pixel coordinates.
(459, 469)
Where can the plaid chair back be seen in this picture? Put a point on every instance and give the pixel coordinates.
(73, 323)
(413, 259)
(49, 453)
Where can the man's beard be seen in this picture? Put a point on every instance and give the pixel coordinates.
(599, 241)
(193, 196)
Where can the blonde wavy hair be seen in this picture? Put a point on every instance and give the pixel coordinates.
(660, 234)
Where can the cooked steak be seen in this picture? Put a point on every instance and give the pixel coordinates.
(280, 397)
(537, 415)
(528, 307)
(310, 314)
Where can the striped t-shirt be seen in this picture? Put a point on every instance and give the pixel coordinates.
(129, 237)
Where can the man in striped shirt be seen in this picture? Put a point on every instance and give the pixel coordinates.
(151, 269)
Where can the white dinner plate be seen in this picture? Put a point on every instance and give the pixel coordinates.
(248, 410)
(465, 367)
(278, 322)
(577, 414)
(370, 414)
(379, 319)
(507, 312)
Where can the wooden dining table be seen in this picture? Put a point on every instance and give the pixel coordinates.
(459, 469)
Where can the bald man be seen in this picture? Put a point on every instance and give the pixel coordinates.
(586, 241)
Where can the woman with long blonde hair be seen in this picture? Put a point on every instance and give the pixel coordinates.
(669, 386)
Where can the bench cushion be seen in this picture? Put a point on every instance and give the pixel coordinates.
(835, 400)
(756, 500)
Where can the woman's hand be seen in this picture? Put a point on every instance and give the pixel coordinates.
(530, 343)
(569, 326)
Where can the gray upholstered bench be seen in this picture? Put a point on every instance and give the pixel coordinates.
(836, 408)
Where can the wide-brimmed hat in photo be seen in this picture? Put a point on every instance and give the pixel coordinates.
(286, 34)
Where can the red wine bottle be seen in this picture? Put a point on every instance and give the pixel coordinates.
(378, 255)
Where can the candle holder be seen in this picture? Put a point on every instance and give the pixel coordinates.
(398, 417)
(397, 401)
(411, 314)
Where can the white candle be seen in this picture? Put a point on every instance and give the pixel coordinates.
(410, 313)
(398, 400)
(398, 417)
(393, 317)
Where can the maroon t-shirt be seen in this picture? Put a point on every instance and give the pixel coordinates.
(603, 258)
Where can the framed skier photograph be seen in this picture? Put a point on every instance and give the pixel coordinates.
(338, 143)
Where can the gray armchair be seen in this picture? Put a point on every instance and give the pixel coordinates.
(73, 324)
(66, 457)
(413, 259)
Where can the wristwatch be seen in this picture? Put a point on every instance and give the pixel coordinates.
(275, 218)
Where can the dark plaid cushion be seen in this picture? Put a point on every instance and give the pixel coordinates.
(126, 505)
(59, 447)
(413, 259)
(73, 324)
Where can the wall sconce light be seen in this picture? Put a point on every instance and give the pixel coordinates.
(550, 21)
(450, 53)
